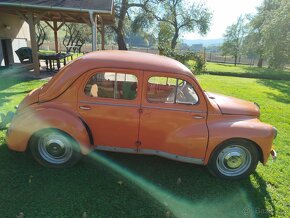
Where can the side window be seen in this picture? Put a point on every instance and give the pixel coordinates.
(171, 91)
(112, 85)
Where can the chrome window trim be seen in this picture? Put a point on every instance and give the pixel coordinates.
(152, 152)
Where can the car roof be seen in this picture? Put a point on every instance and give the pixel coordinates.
(110, 59)
(135, 60)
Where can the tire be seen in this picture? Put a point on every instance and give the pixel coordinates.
(234, 159)
(54, 148)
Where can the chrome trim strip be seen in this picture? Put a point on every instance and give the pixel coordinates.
(172, 156)
(134, 105)
(110, 104)
(116, 149)
(172, 109)
(152, 152)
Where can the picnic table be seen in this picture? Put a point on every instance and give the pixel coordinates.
(50, 59)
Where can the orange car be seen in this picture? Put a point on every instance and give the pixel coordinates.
(139, 103)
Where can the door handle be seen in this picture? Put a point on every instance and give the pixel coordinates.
(198, 117)
(85, 107)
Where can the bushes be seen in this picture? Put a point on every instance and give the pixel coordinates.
(193, 60)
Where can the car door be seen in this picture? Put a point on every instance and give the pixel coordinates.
(173, 122)
(109, 102)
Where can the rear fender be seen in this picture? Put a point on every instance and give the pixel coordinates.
(33, 119)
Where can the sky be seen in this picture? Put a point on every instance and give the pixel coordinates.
(225, 13)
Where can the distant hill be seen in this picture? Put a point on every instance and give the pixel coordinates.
(204, 42)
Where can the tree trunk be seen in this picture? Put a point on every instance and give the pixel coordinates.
(236, 58)
(174, 40)
(260, 62)
(121, 41)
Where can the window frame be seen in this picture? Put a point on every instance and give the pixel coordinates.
(115, 82)
(175, 92)
(86, 76)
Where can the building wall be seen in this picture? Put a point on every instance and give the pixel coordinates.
(11, 27)
(17, 30)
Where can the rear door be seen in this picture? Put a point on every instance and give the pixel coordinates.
(109, 102)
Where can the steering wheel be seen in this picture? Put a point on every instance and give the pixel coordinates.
(180, 95)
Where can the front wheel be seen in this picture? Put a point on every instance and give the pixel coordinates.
(54, 148)
(234, 159)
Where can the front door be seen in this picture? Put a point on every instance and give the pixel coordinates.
(173, 122)
(109, 102)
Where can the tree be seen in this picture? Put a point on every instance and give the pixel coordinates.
(164, 36)
(123, 9)
(180, 18)
(75, 36)
(276, 34)
(233, 39)
(41, 34)
(269, 33)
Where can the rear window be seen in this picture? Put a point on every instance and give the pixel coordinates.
(112, 85)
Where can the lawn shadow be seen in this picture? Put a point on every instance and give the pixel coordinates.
(7, 81)
(124, 186)
(187, 189)
(5, 95)
(282, 86)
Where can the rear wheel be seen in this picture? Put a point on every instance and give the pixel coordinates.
(234, 159)
(54, 148)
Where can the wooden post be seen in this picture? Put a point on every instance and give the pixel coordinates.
(94, 30)
(31, 23)
(55, 28)
(102, 33)
(55, 36)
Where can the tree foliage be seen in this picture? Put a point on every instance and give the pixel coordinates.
(233, 39)
(125, 15)
(269, 35)
(197, 64)
(182, 18)
(142, 15)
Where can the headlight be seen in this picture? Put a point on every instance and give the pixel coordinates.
(275, 132)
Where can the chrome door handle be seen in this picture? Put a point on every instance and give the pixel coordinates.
(85, 107)
(198, 117)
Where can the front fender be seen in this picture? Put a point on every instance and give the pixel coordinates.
(35, 118)
(225, 127)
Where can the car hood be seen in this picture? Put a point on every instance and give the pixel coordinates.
(234, 106)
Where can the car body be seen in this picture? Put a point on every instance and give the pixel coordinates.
(141, 103)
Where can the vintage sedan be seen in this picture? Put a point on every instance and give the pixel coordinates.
(139, 103)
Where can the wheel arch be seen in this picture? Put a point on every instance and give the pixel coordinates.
(30, 121)
(259, 149)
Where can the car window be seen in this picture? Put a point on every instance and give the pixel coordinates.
(112, 85)
(171, 91)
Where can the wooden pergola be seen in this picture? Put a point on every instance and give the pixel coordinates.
(97, 14)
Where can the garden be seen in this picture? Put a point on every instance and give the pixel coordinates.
(122, 185)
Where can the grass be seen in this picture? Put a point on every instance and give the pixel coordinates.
(121, 185)
(246, 71)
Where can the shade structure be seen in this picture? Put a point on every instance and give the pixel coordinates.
(93, 12)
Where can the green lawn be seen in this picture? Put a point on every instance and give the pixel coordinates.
(246, 71)
(121, 185)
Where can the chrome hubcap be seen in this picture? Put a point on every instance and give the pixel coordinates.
(55, 148)
(234, 160)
